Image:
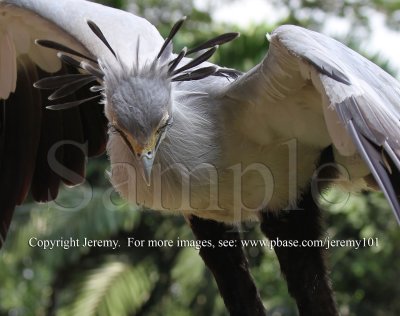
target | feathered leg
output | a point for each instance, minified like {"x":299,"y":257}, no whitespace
{"x":229,"y":266}
{"x":303,"y":267}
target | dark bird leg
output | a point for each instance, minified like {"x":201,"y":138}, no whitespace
{"x":229,"y":266}
{"x":303,"y":267}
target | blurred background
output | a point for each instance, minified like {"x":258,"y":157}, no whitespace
{"x":173,"y":281}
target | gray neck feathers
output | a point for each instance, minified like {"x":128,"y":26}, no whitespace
{"x":192,"y":139}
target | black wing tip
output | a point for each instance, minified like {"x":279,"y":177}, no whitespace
{"x":340,"y":77}
{"x":333,"y":73}
{"x":228,"y":73}
{"x":373,"y":159}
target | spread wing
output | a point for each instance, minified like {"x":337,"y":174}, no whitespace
{"x":360,"y":103}
{"x":40,"y":148}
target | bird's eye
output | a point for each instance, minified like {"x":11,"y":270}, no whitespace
{"x":112,"y":129}
{"x":161,"y":129}
{"x":115,"y":130}
{"x":164,"y":127}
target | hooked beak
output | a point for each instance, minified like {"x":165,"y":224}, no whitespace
{"x":147,"y":161}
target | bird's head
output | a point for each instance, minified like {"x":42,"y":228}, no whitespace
{"x":139,"y":100}
{"x":139,"y":103}
{"x":139,"y":110}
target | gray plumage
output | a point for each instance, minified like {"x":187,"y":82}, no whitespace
{"x":151,"y":91}
{"x":193,"y":121}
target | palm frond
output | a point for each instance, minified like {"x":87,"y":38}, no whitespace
{"x":114,"y":288}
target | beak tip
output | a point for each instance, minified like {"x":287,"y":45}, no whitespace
{"x":147,"y":166}
{"x":147,"y":179}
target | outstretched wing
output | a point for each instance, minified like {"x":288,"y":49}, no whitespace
{"x":40,"y":148}
{"x":360,"y":103}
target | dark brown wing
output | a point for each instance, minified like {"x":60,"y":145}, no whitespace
{"x":41,"y":148}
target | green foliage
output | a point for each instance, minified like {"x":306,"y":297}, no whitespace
{"x":114,"y":3}
{"x":313,"y":13}
{"x":364,"y":278}
{"x":114,"y":288}
{"x":163,"y":13}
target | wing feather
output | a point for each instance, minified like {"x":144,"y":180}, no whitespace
{"x":82,"y":131}
{"x":373,"y":159}
{"x":8,"y":66}
{"x":20,"y":137}
{"x":360,"y":102}
{"x":45,"y":182}
{"x":74,"y":149}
